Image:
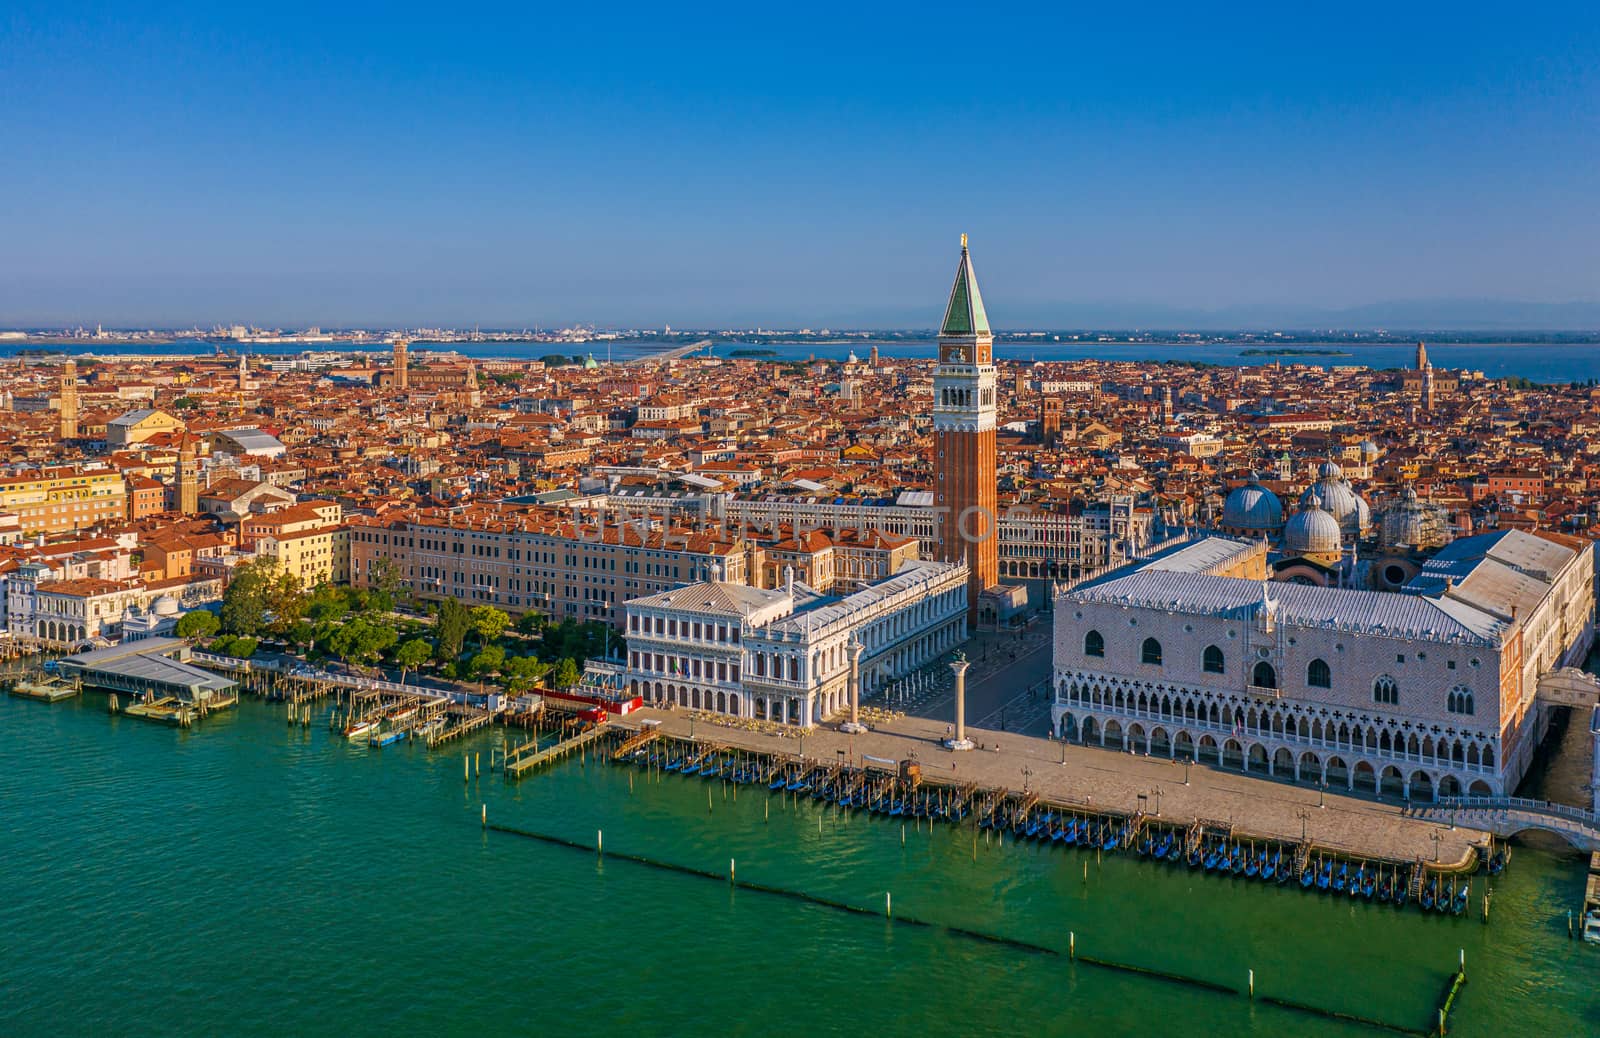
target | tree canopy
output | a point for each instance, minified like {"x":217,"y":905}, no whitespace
{"x":199,"y":623}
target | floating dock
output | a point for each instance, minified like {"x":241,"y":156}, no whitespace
{"x":169,"y":689}
{"x":44,"y":689}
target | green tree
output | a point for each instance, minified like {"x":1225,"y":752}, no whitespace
{"x":488,"y":661}
{"x":244,"y":604}
{"x":361,"y":641}
{"x":328,"y":604}
{"x":488,"y":623}
{"x":386,"y":583}
{"x":302,"y":633}
{"x":567,"y":673}
{"x":411,"y":654}
{"x":286,"y":603}
{"x":200,"y":623}
{"x":451,"y":628}
{"x":525,"y":672}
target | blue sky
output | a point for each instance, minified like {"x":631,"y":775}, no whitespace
{"x":806,"y":164}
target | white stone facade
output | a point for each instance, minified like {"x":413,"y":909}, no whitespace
{"x":783,"y":655}
{"x":1402,"y":694}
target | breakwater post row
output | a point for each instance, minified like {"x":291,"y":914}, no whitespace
{"x":901,"y":789}
{"x":1072,"y":954}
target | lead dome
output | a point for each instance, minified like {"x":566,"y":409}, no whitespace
{"x":1252,"y":507}
{"x":1313,"y":531}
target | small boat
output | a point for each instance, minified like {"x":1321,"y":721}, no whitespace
{"x":385,"y":738}
{"x":361,"y":729}
{"x":1427,"y":896}
{"x":1462,"y":898}
{"x":1340,"y":878}
{"x":1307,"y":877}
{"x":1324,"y":876}
{"x":775,"y":784}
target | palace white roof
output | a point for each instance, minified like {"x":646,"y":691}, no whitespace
{"x":912,"y":574}
{"x":718,"y":597}
{"x":1299,"y":605}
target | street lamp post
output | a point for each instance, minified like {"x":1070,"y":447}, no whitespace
{"x":1158,"y":801}
{"x":1304,"y":816}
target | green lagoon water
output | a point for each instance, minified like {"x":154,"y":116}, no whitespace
{"x":246,"y":878}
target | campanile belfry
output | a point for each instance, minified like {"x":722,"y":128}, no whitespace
{"x":964,"y":481}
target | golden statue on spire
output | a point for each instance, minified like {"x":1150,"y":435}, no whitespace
{"x":963,"y":241}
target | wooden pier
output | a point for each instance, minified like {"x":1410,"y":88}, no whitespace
{"x":520,"y":760}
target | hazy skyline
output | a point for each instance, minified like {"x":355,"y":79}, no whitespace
{"x":736,"y":166}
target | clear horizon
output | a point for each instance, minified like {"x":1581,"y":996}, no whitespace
{"x":725,"y":168}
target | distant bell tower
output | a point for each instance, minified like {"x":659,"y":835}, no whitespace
{"x":1050,"y":409}
{"x":400,"y":365}
{"x":244,"y":373}
{"x":188,"y":476}
{"x":964,"y":480}
{"x":69,"y":400}
{"x":1422,"y":357}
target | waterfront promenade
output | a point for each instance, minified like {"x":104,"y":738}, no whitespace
{"x":1107,"y":780}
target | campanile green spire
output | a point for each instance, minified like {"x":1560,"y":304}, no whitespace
{"x":965,"y":315}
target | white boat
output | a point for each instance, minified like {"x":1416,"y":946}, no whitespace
{"x":361,"y":729}
{"x":1591,"y":926}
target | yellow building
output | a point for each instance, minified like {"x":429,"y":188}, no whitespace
{"x":52,"y":500}
{"x":314,"y":556}
{"x":139,"y":426}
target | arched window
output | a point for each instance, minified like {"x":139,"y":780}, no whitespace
{"x":1318,"y":675}
{"x":1460,"y":701}
{"x":1150,"y":652}
{"x":1211,"y":661}
{"x":1094,"y":644}
{"x":1264,"y":676}
{"x":1385,"y":691}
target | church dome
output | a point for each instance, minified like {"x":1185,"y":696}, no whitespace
{"x":1329,"y":470}
{"x":1369,"y":449}
{"x":1313,"y":531}
{"x":1335,"y":495}
{"x":166,"y":605}
{"x":1252,"y":507}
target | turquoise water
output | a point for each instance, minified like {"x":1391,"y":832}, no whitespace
{"x":248,"y":878}
{"x":1542,"y":362}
